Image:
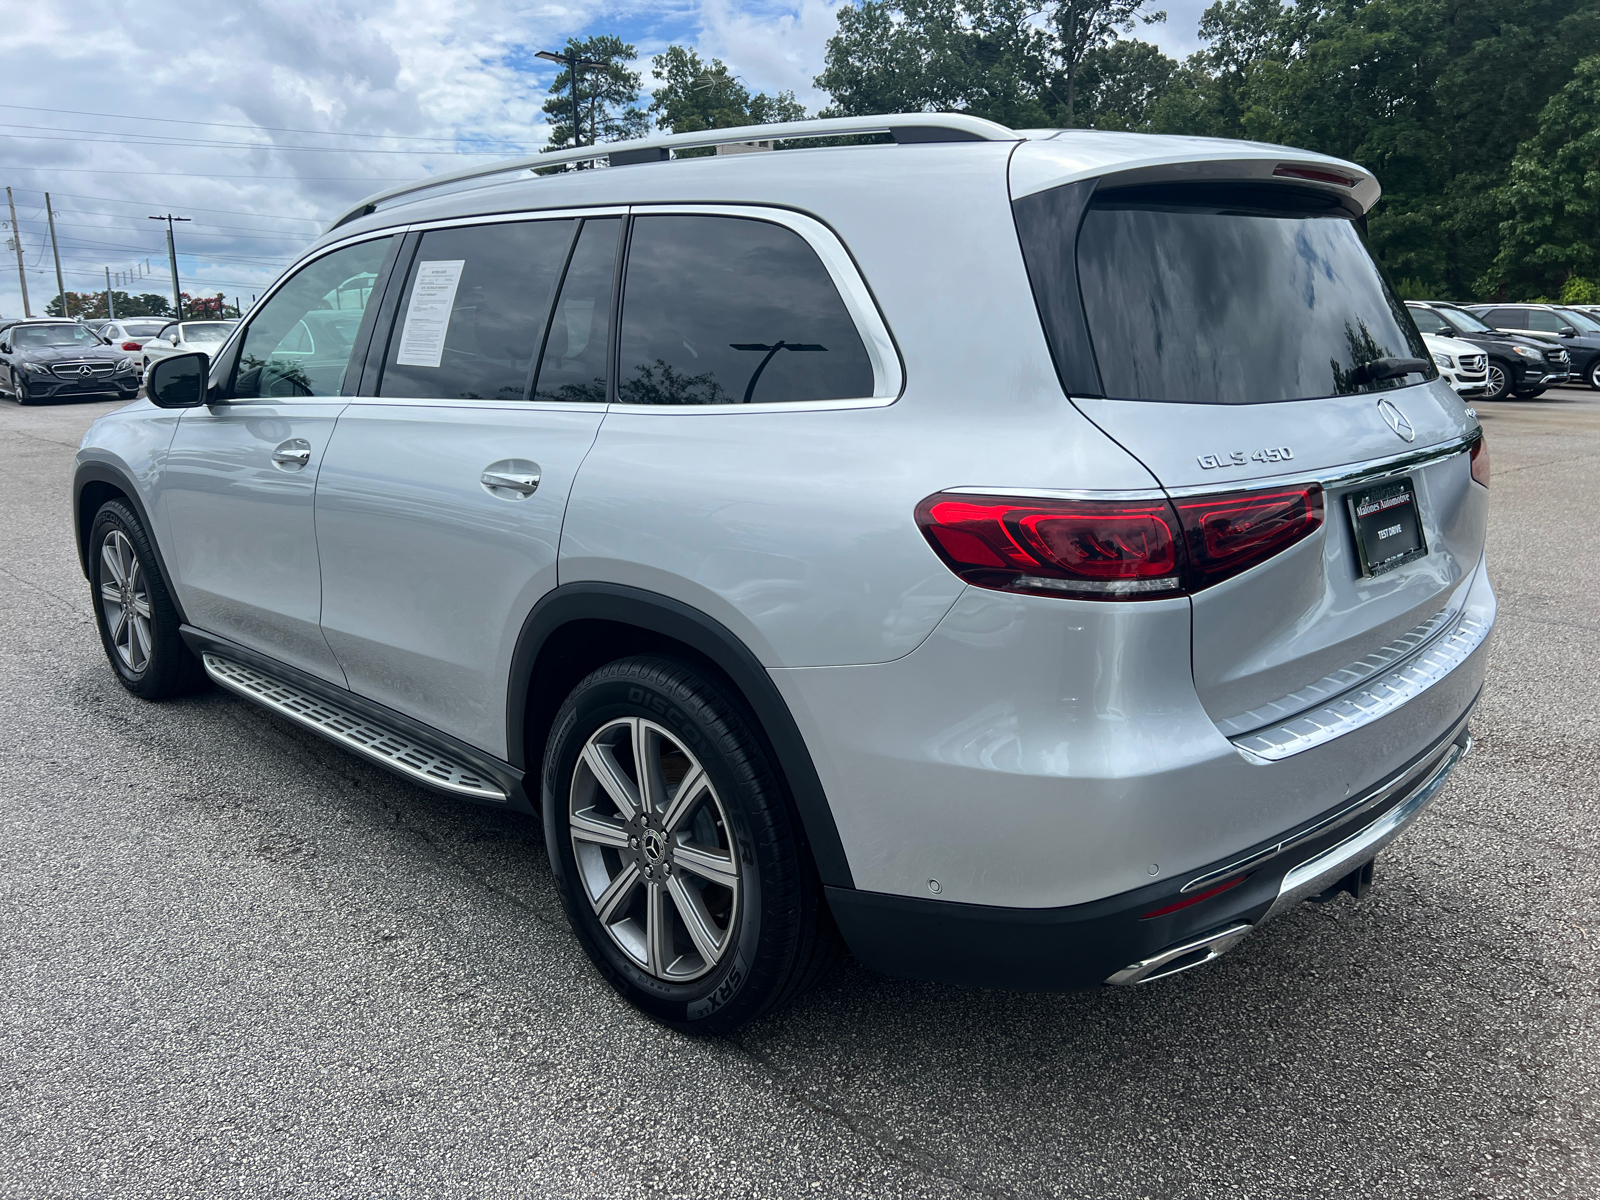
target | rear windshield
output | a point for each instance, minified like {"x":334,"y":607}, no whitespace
{"x":1236,"y":295}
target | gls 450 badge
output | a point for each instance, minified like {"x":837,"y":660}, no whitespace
{"x":1242,"y":458}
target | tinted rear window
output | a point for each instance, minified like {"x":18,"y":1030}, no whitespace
{"x":1234,"y":295}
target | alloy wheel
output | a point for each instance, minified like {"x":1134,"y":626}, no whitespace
{"x":653,"y":849}
{"x":1499,"y":385}
{"x":125,"y":601}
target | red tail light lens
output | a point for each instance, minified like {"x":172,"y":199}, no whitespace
{"x":1114,"y":549}
{"x":1480,"y":460}
{"x":1285,"y":171}
{"x":1229,"y":534}
{"x":1089,"y":549}
{"x":130,"y":345}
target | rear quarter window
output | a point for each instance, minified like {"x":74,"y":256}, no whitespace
{"x":730,"y":310}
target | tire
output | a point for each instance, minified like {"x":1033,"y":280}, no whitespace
{"x":133,"y":609}
{"x":1593,"y":378}
{"x":22,"y":392}
{"x":1499,"y":384}
{"x":1530,"y":393}
{"x":713,"y":911}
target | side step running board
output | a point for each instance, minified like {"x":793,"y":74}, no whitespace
{"x":394,"y":750}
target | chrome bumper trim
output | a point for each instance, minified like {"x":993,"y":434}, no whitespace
{"x":1367,"y":702}
{"x":347,"y":729}
{"x":1318,"y":874}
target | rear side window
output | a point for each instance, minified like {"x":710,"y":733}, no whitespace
{"x":473,"y":311}
{"x":1208,"y":294}
{"x":729,"y":310}
{"x":1507,"y":318}
{"x":1542,"y":320}
{"x":573,"y":366}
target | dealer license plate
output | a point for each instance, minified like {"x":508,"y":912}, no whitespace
{"x":1387,"y":524}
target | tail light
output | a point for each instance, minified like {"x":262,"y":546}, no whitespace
{"x":131,"y":346}
{"x":1113,"y":549}
{"x":1232,"y":533}
{"x":1480,"y":460}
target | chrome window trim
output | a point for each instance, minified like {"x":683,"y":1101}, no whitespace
{"x":1333,"y":477}
{"x":887,"y":373}
{"x":521,"y":215}
{"x":489,"y":405}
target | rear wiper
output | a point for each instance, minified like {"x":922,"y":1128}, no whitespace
{"x":1388,"y":368}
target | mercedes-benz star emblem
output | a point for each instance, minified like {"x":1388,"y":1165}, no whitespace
{"x":86,"y":369}
{"x":1397,"y":420}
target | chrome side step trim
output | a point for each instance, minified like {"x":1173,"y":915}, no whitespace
{"x":1318,"y":874}
{"x":1367,"y":702}
{"x":344,"y":727}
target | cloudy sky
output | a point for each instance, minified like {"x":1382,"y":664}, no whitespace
{"x":261,"y":120}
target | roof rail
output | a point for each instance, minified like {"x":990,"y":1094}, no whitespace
{"x":903,"y":127}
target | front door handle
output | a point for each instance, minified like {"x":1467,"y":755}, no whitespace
{"x":511,"y":479}
{"x":292,"y":454}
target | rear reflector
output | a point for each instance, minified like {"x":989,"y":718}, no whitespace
{"x":1317,"y":174}
{"x":1188,"y":900}
{"x":1480,"y":460}
{"x":1090,"y":549}
{"x":1113,"y":549}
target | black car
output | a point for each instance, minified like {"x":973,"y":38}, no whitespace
{"x":43,"y":359}
{"x":1518,"y":364}
{"x":1576,"y":333}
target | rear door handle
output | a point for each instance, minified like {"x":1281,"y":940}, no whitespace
{"x":292,"y":454}
{"x":510,"y":481}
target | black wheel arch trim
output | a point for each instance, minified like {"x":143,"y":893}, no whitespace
{"x":666,"y":617}
{"x":103,"y":472}
{"x":503,"y":773}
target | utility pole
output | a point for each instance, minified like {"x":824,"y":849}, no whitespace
{"x":172,"y":257}
{"x":570,"y":58}
{"x":61,"y":287}
{"x":16,"y":241}
{"x":111,"y":304}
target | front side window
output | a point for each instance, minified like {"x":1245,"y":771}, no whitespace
{"x":573,"y":366}
{"x":299,"y":342}
{"x":729,"y":310}
{"x":473,"y":311}
{"x":1233,"y":294}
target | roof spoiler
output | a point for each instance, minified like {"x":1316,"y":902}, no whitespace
{"x":904,"y":128}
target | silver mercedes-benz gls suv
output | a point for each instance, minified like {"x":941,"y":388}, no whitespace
{"x":1030,"y":560}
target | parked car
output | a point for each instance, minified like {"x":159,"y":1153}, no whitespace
{"x":1553,"y":325}
{"x":131,"y":334}
{"x":42,"y":359}
{"x":1518,"y":365}
{"x":184,"y":337}
{"x":701,"y":511}
{"x":1462,"y":365}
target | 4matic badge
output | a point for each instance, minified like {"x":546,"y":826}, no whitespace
{"x":1243,"y":458}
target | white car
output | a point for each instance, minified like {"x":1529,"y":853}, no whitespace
{"x":1464,"y":366}
{"x":132,"y":333}
{"x":186,"y":337}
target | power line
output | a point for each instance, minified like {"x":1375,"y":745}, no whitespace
{"x":71,"y":112}
{"x":133,"y":139}
{"x":215,"y":175}
{"x":232,"y":212}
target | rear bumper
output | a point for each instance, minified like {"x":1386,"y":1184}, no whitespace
{"x":1117,"y":939}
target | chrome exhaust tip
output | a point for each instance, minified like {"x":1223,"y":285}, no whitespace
{"x":1185,"y":956}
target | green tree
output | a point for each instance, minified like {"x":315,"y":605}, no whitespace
{"x":693,"y":96}
{"x":1084,"y":27}
{"x":1120,"y":84}
{"x":92,"y":305}
{"x":1552,"y":198}
{"x":607,"y":98}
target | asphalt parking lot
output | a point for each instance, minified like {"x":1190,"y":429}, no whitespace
{"x":237,"y":961}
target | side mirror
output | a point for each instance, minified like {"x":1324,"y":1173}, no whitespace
{"x":178,"y":382}
{"x":1569,"y":331}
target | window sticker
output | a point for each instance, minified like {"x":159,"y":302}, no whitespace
{"x":433,"y":296}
